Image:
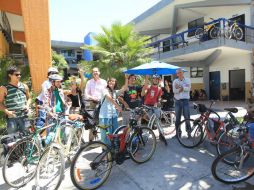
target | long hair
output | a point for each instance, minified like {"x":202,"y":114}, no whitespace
{"x":115,"y":87}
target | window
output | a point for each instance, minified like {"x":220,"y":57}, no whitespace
{"x":196,"y":72}
{"x":194,"y":24}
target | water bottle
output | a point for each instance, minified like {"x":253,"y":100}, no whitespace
{"x":49,"y":137}
{"x":116,"y":144}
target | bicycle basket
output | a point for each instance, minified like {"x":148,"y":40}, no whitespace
{"x":201,"y":108}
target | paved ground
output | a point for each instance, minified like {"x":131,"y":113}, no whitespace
{"x":171,"y":168}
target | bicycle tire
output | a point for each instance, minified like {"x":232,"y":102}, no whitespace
{"x":142,"y":139}
{"x":18,"y":153}
{"x":238,"y":33}
{"x":70,"y":141}
{"x":194,"y":134}
{"x":214,"y":32}
{"x":50,"y":156}
{"x":168,"y":122}
{"x":199,"y":33}
{"x":82,"y":159}
{"x":120,"y":129}
{"x":228,"y":33}
{"x":226,"y":173}
{"x":225,"y":143}
{"x":161,"y":134}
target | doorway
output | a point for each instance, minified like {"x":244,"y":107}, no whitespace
{"x":214,"y":85}
{"x":237,"y":84}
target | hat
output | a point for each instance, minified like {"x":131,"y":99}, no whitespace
{"x":52,"y":70}
{"x":156,"y":76}
{"x":55,"y":77}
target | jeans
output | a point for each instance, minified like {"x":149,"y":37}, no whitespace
{"x":40,"y":121}
{"x":156,"y":111}
{"x":17,"y":124}
{"x":182,"y":106}
{"x":113,"y":125}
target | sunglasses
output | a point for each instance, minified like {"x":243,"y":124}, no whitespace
{"x":17,"y":74}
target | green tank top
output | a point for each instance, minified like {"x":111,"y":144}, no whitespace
{"x":15,"y":99}
{"x":59,"y":103}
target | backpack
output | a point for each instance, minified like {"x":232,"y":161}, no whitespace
{"x":97,"y":111}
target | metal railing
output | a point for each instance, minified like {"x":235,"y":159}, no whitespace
{"x":187,"y":37}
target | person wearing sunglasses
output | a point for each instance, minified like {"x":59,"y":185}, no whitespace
{"x":14,"y":101}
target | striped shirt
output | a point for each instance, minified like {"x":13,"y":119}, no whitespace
{"x":15,"y":99}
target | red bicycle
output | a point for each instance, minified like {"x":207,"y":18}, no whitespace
{"x":93,"y":162}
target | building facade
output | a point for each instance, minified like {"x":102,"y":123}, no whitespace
{"x":218,"y":60}
{"x":24,"y":30}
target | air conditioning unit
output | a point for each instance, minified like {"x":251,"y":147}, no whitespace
{"x":16,"y":49}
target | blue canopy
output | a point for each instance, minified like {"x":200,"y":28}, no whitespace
{"x":154,"y":67}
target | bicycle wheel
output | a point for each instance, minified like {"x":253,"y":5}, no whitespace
{"x":228,"y":33}
{"x":168,"y":122}
{"x":214,"y":32}
{"x":145,"y":141}
{"x":225,"y":143}
{"x":50,"y":170}
{"x":21,"y":162}
{"x":189,"y":133}
{"x":199,"y":33}
{"x":238,"y":33}
{"x":70,"y":140}
{"x":240,"y":170}
{"x":91,"y":166}
{"x":120,"y":129}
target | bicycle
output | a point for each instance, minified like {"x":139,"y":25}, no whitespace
{"x":233,"y":31}
{"x":191,"y":133}
{"x":23,"y":157}
{"x":241,"y":167}
{"x":155,"y":122}
{"x":209,"y":29}
{"x":93,"y":162}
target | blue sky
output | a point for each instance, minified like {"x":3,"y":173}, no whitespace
{"x":71,"y":20}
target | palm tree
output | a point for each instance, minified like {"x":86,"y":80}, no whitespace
{"x":118,"y":48}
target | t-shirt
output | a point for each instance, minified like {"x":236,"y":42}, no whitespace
{"x":132,"y":96}
{"x":108,"y":110}
{"x":59,"y":104}
{"x":75,"y":99}
{"x":152,"y":95}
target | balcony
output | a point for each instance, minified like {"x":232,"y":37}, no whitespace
{"x":214,"y":34}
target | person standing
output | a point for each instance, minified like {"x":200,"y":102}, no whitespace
{"x":167,"y":96}
{"x":181,"y":89}
{"x":152,"y":94}
{"x":109,"y":109}
{"x":14,"y":101}
{"x":131,"y":98}
{"x":94,"y":91}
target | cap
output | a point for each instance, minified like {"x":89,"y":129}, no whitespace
{"x":55,"y":77}
{"x":156,"y":76}
{"x":52,"y":69}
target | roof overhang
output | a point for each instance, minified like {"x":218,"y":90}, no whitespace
{"x":67,"y":45}
{"x":11,"y":6}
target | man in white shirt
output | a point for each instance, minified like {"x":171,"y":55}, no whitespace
{"x":94,"y":90}
{"x":181,"y":89}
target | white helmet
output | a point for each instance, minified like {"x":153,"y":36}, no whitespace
{"x":53,"y":70}
{"x":55,"y":77}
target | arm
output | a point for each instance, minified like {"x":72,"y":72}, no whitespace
{"x":187,"y":85}
{"x":83,"y":80}
{"x":120,"y":98}
{"x":176,"y":88}
{"x":113,"y":102}
{"x":125,"y":86}
{"x":28,"y":97}
{"x":145,"y":87}
{"x":3,"y":93}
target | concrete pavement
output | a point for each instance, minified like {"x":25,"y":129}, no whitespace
{"x":171,"y":168}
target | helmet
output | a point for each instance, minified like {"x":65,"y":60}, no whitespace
{"x":156,"y":76}
{"x":55,"y":77}
{"x":52,"y":70}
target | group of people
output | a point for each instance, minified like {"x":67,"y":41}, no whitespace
{"x":15,"y":98}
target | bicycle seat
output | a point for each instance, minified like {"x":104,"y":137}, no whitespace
{"x":233,"y":110}
{"x":73,"y":117}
